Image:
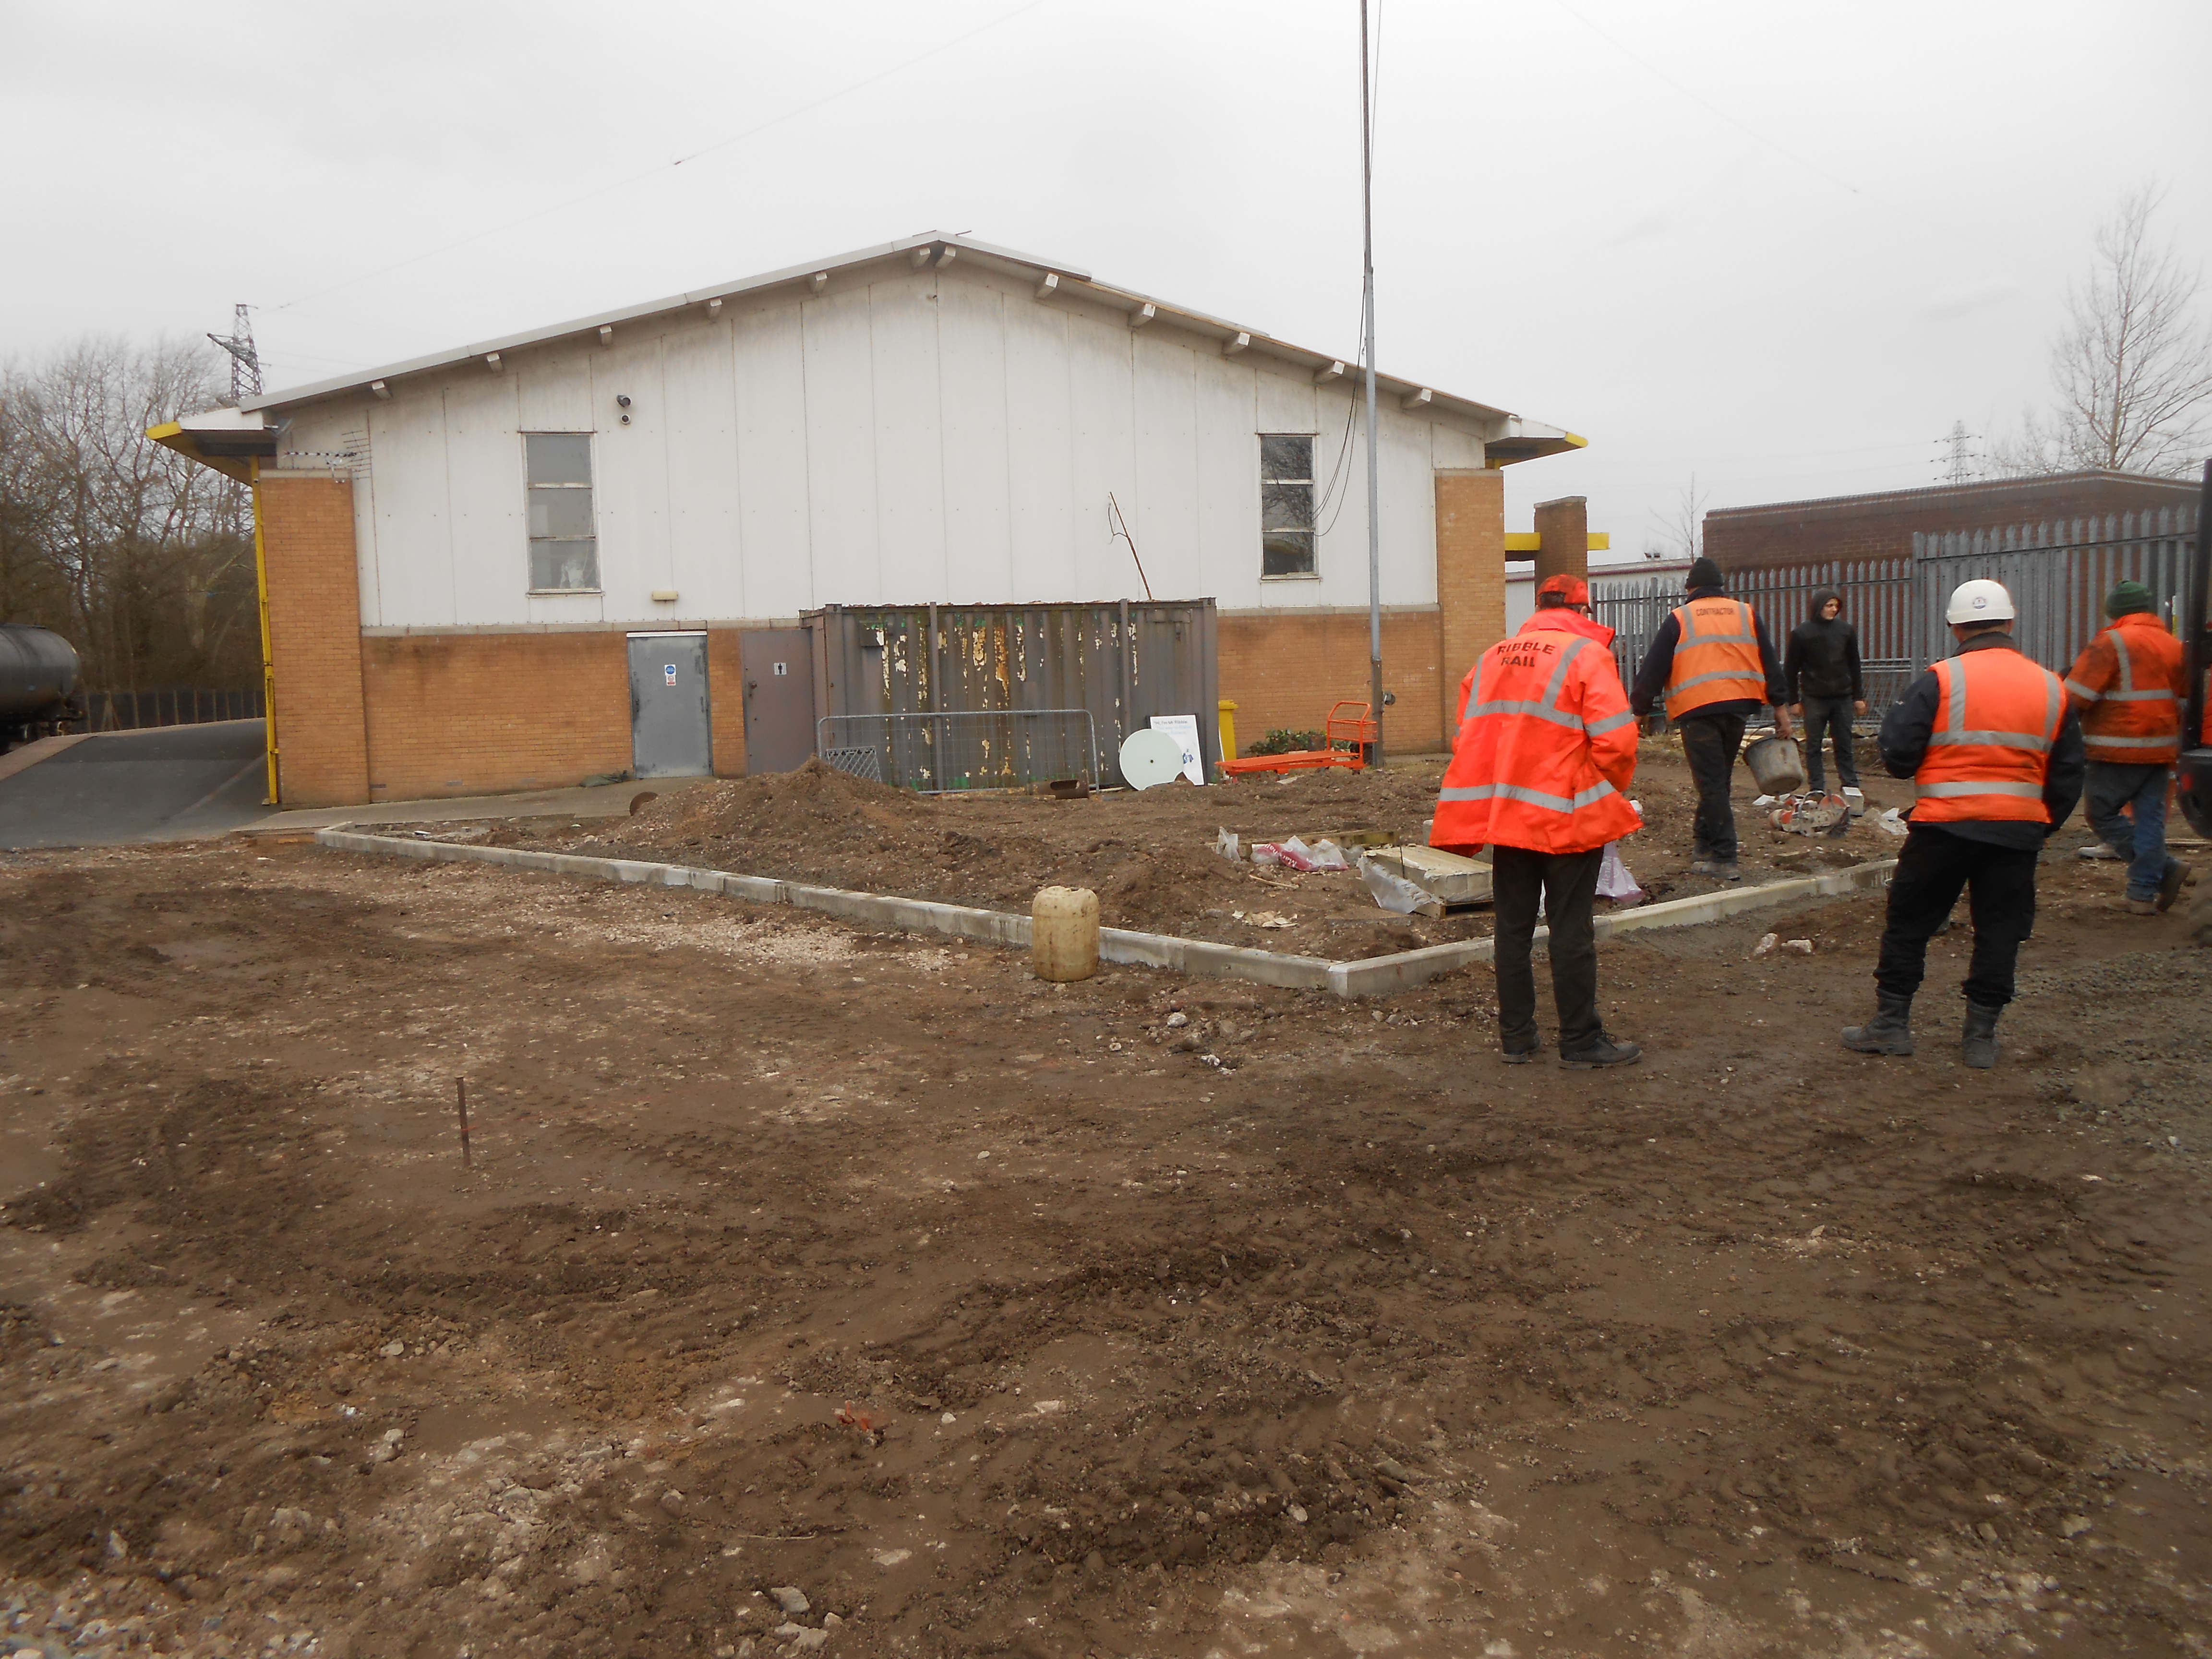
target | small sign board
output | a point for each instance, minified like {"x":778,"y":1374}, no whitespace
{"x":1183,"y":728}
{"x":782,"y":670}
{"x":669,"y":669}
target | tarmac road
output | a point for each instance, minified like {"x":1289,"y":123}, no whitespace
{"x":168,"y":783}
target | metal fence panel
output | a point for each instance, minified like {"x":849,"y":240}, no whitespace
{"x":973,"y":749}
{"x":2057,"y":574}
{"x":1877,"y":595}
{"x":130,"y":711}
{"x":1122,"y":663}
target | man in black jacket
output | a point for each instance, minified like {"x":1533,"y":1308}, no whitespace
{"x":1826,"y":688}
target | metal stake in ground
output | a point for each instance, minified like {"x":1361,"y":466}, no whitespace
{"x":461,"y":1084}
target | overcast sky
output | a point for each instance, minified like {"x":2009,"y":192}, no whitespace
{"x":1781,"y":247}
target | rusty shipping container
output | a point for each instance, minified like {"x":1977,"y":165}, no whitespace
{"x":1123,"y":661}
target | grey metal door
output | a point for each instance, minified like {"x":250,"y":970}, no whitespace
{"x":779,"y":668}
{"x":670,"y":732}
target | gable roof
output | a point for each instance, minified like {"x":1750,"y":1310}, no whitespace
{"x":1508,"y":437}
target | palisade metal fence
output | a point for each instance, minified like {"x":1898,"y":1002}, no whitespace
{"x":129,"y":711}
{"x":2057,"y":574}
{"x":973,"y":749}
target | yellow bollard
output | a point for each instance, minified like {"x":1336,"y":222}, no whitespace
{"x":1228,"y":730}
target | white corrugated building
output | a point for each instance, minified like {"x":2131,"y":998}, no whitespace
{"x":459,"y":546}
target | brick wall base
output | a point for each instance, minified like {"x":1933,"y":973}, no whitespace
{"x":1284,"y":668}
{"x":480,"y":713}
{"x":305,"y":526}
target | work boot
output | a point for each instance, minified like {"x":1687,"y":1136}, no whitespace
{"x":1890,"y":1030}
{"x":2136,"y":907}
{"x":1603,"y":1052}
{"x":2169,"y":887}
{"x":1519,"y":1048}
{"x":1724,"y":869}
{"x":1980,"y":1047}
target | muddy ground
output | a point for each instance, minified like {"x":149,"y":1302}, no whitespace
{"x":991,"y":1317}
{"x":1150,"y":856}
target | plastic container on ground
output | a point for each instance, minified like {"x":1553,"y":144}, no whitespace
{"x":1063,"y":933}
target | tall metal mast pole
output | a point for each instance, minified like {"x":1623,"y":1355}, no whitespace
{"x":1374,"y":489}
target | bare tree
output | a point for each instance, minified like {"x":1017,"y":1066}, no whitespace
{"x":1681,"y":533}
{"x":135,"y":553}
{"x":2132,"y":369}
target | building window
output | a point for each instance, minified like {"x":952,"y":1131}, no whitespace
{"x":1286,"y":504}
{"x":564,"y":542}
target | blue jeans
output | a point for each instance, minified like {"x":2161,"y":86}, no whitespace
{"x":2116,"y":792}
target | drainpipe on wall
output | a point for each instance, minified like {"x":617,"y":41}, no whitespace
{"x":267,"y":662}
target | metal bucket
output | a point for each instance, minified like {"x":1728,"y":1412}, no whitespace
{"x":1778,"y":766}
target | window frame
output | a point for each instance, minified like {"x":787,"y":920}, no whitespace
{"x":1311,"y":532}
{"x":531,"y":541}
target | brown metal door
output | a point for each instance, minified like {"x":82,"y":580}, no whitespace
{"x":779,"y":670}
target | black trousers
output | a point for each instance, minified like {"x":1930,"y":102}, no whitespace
{"x":1829,"y":714}
{"x":1931,"y":872}
{"x":1711,"y":744}
{"x":1567,"y":882}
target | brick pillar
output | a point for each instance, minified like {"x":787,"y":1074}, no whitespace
{"x":1562,"y":537}
{"x":1470,"y":575}
{"x":315,"y":638}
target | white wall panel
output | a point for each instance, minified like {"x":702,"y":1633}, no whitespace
{"x":1228,"y":469}
{"x":1039,"y":452}
{"x":840,"y":449}
{"x":703,"y":508}
{"x":978,"y":541}
{"x":1450,"y":447}
{"x":909,"y":440}
{"x":630,"y":475}
{"x":941,"y":436}
{"x":1286,"y":399}
{"x":414,"y":541}
{"x":556,"y":389}
{"x":773,"y":531}
{"x":1102,"y":404}
{"x":484,"y":488}
{"x":1409,"y":526}
{"x":1166,"y":397}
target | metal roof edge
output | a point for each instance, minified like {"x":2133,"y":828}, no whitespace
{"x":1125,"y":299}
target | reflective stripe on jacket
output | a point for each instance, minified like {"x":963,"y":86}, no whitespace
{"x":2128,"y":684}
{"x":1546,"y":745}
{"x":1716,"y":659}
{"x":1990,"y":749}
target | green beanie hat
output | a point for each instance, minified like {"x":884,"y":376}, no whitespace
{"x":2127,"y":597}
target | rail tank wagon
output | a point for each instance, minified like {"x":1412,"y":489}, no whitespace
{"x":37,"y":682}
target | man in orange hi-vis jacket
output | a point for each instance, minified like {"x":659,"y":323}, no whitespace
{"x":1714,"y":662}
{"x":1994,"y":751}
{"x":1539,"y":773}
{"x":2129,"y":685}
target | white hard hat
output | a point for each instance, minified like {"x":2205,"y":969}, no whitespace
{"x":1979,"y":601}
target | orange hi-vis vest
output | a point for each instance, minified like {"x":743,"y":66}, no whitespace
{"x":2129,"y":684}
{"x":1998,"y":715}
{"x":1546,"y":743}
{"x":1716,"y":658}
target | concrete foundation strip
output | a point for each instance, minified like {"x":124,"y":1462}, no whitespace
{"x":1372,"y":976}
